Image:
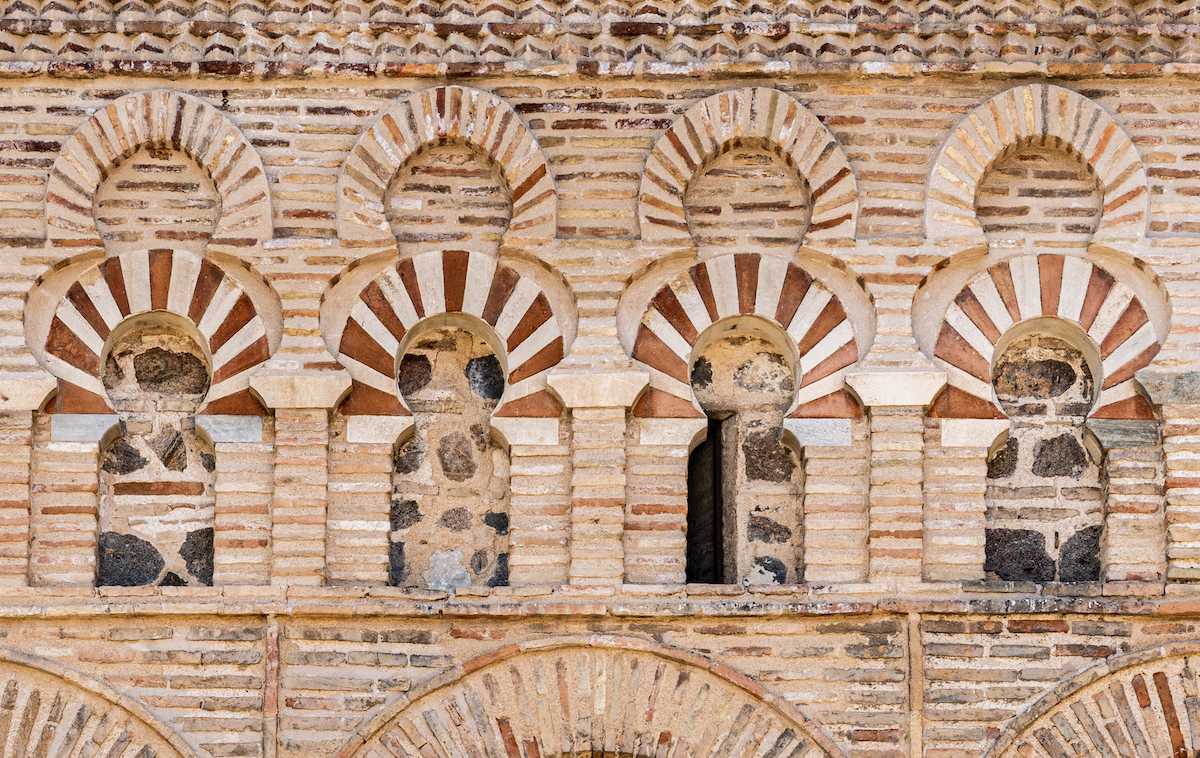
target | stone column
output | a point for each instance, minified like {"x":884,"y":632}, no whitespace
{"x":599,"y":404}
{"x":302,"y":405}
{"x":22,"y":396}
{"x":897,"y":403}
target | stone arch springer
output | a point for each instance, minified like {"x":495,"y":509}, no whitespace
{"x":71,"y":313}
{"x":75,"y":711}
{"x":963,"y":311}
{"x":706,"y":129}
{"x":827,"y":318}
{"x":1014,"y":118}
{"x":1146,"y":697}
{"x":369,"y":309}
{"x":488,"y":703}
{"x":171,"y":119}
{"x":432,"y":116}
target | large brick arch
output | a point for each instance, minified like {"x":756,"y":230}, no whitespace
{"x":1069,"y":288}
{"x":75,"y":715}
{"x":720,"y":121}
{"x":68,"y":339}
{"x":158,"y":118}
{"x":827,"y":339}
{"x":1140,"y":703}
{"x":1018,"y":117}
{"x":589,"y":697}
{"x":436,"y":115}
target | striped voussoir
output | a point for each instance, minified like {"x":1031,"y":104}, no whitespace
{"x":438,"y":115}
{"x":1033,"y":286}
{"x":1140,"y":704}
{"x":452,"y":281}
{"x":166,"y":119}
{"x":156,"y":280}
{"x":594,"y":701}
{"x":747,"y":284}
{"x":755,"y":114}
{"x":1018,"y":117}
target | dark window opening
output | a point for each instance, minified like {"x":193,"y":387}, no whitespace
{"x":705,"y":528}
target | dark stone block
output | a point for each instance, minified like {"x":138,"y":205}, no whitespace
{"x":1017,"y":555}
{"x":127,"y":561}
{"x":408,"y":457}
{"x":485,"y":376}
{"x":479,"y":562}
{"x":1004,"y":462}
{"x":479,"y":436}
{"x":456,"y":519}
{"x":208,"y":461}
{"x":497,"y":521}
{"x":767,"y":459}
{"x":170,"y":449}
{"x":457,"y":457}
{"x":197,"y":553}
{"x":123,"y":458}
{"x":762,"y":529}
{"x":702,"y":373}
{"x":396,"y":568}
{"x":1079,"y":559}
{"x":1059,"y":456}
{"x":404,"y":514}
{"x":499,"y":577}
{"x":171,"y":579}
{"x":1041,"y":379}
{"x":170,"y":373}
{"x":772,"y":566}
{"x":415,"y":372}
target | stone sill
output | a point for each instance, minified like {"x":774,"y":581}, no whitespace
{"x":632,"y":601}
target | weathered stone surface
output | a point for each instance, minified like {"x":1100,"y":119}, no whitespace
{"x":1018,"y":555}
{"x":197,"y":551}
{"x":1059,"y":456}
{"x":1080,"y":561}
{"x":125,"y":560}
{"x":1004,"y":462}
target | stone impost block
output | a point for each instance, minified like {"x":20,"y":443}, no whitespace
{"x":618,"y":389}
{"x":316,"y":390}
{"x":896,"y":388}
{"x":25,"y":393}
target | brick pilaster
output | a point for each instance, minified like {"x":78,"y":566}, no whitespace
{"x":64,"y":510}
{"x":300,"y":503}
{"x":597,"y":495}
{"x":955,"y":512}
{"x":540,"y":514}
{"x":1181,"y":452}
{"x":1135,"y":537}
{"x":243,"y":491}
{"x":836,"y":514}
{"x":360,"y":498}
{"x":896,"y":538}
{"x":16,"y":447}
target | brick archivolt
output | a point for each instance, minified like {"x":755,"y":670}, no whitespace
{"x":1018,"y":117}
{"x":52,"y":712}
{"x":366,"y":322}
{"x":167,"y":119}
{"x":827,"y":339}
{"x":430,"y":117}
{"x":756,"y":115}
{"x":1142,"y":703}
{"x":1126,"y":330}
{"x":590,"y":697}
{"x":68,"y":323}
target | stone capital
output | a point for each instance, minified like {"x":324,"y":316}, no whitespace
{"x":316,"y":390}
{"x":896,"y":388}
{"x":598,"y":389}
{"x":25,"y":392}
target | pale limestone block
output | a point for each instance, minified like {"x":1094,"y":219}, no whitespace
{"x":376,"y":429}
{"x":972,"y":432}
{"x":618,"y":389}
{"x":81,"y":427}
{"x":527,"y":431}
{"x":222,"y":428}
{"x":670,"y":431}
{"x":897,"y":388}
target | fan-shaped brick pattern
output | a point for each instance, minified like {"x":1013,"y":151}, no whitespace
{"x":1024,"y":114}
{"x":1142,"y":704}
{"x":453,"y":281}
{"x":156,"y":280}
{"x":591,"y":701}
{"x":747,"y":284}
{"x":46,"y":716}
{"x":755,"y":114}
{"x":431,"y":117}
{"x":1031,"y":286}
{"x":158,"y":118}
